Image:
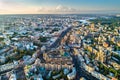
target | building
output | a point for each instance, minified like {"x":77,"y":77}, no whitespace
{"x":72,"y":75}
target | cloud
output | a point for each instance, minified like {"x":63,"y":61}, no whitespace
{"x":61,"y":8}
{"x":15,"y":7}
{"x":57,"y":9}
{"x":41,"y":9}
{"x":9,"y":3}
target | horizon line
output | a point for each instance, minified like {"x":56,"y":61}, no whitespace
{"x":61,"y":14}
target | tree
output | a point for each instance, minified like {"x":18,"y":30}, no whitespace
{"x":43,"y":39}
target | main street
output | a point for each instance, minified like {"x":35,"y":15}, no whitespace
{"x":57,"y":42}
{"x":80,"y":71}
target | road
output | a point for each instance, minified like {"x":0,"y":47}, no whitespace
{"x":80,"y":71}
{"x":57,"y":42}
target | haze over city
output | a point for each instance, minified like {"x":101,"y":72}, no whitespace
{"x":59,"y":6}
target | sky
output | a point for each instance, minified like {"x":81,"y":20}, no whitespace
{"x":59,"y":6}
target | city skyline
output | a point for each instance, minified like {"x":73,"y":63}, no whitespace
{"x":59,"y":6}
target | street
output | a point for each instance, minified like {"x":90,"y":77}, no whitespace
{"x":81,"y":72}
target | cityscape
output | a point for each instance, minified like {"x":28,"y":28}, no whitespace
{"x":59,"y":43}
